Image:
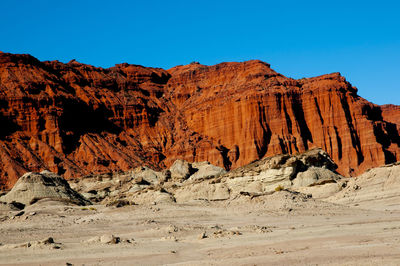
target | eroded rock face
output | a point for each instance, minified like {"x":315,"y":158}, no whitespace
{"x":209,"y":182}
{"x":75,"y":119}
{"x":262,"y":177}
{"x":143,"y":185}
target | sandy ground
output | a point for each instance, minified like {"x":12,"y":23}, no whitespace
{"x":279,"y":229}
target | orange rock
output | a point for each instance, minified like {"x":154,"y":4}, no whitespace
{"x":75,"y":119}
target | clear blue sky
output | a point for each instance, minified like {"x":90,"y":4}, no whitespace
{"x":360,"y":39}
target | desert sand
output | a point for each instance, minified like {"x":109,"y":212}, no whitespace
{"x":275,"y":229}
{"x":346,"y":221}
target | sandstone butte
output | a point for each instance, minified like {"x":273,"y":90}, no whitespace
{"x":75,"y":119}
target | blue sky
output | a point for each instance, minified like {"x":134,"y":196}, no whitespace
{"x":360,"y":39}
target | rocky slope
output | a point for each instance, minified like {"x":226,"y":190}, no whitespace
{"x":309,"y":175}
{"x":76,"y":119}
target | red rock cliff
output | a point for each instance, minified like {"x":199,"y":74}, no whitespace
{"x":75,"y":119}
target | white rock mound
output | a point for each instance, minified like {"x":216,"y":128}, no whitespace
{"x":377,"y":188}
{"x":32,"y":187}
{"x":265,"y":176}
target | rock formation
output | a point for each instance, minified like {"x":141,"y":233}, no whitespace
{"x":377,"y":188}
{"x":32,"y":187}
{"x":143,"y":185}
{"x":204,"y":181}
{"x":263,"y":177}
{"x":75,"y":119}
{"x":311,"y":174}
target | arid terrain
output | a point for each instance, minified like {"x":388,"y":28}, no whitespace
{"x":307,"y":233}
{"x":199,"y":133}
{"x":282,"y":210}
{"x":195,"y":165}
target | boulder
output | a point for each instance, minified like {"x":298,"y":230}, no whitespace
{"x":109,"y":239}
{"x":315,"y":176}
{"x":146,"y":175}
{"x":205,"y":170}
{"x":35,"y":186}
{"x":181,"y":170}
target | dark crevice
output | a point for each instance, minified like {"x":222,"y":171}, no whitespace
{"x":389,"y":157}
{"x":60,"y":170}
{"x":339,"y":143}
{"x":160,"y":79}
{"x":79,"y":118}
{"x":288,"y":120}
{"x":153,"y":113}
{"x":355,"y":141}
{"x":318,"y":110}
{"x":262,"y":148}
{"x":278,"y":99}
{"x":393,"y":133}
{"x":283,"y":146}
{"x":386,"y":133}
{"x":372,"y":112}
{"x":305,"y":132}
{"x":7,"y":126}
{"x":224,"y":153}
{"x":381,"y":137}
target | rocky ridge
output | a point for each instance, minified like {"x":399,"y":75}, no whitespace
{"x":307,"y":175}
{"x":185,"y":182}
{"x":75,"y":119}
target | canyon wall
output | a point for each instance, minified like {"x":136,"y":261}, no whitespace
{"x":76,"y":119}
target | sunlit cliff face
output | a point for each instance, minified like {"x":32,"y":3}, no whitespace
{"x":76,"y":119}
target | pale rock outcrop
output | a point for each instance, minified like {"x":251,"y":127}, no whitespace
{"x":151,"y":197}
{"x":143,"y":185}
{"x":315,"y":176}
{"x":45,"y":243}
{"x":265,"y":176}
{"x":186,"y":181}
{"x":202,"y":191}
{"x":147,"y":175}
{"x":377,"y":188}
{"x":118,"y":185}
{"x":35,"y":186}
{"x":181,"y":170}
{"x":205,"y":170}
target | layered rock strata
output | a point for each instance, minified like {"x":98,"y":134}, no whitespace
{"x":75,"y":119}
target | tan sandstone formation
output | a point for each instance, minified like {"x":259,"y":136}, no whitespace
{"x":204,"y":181}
